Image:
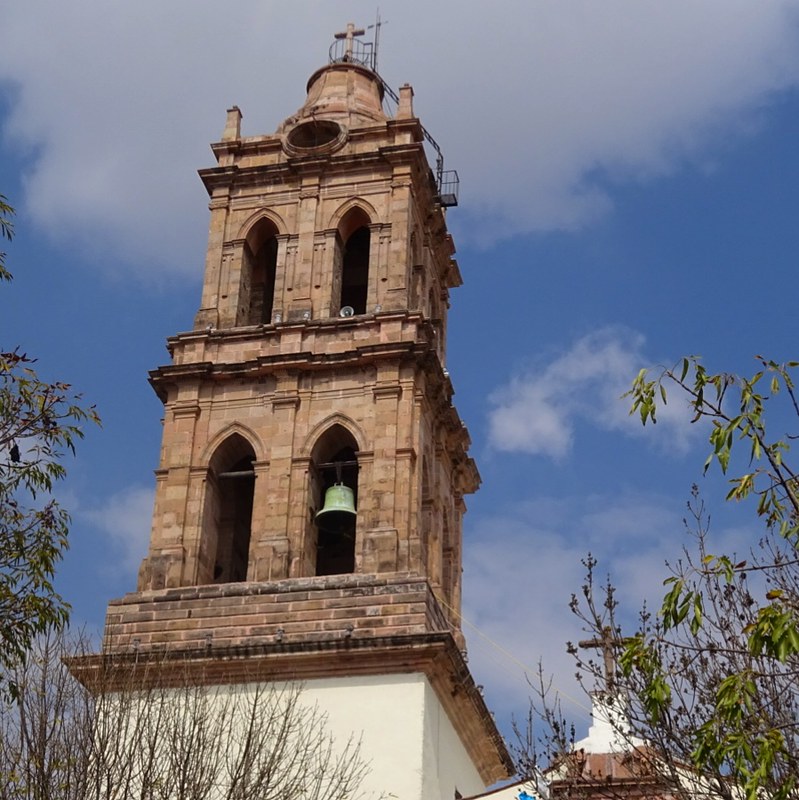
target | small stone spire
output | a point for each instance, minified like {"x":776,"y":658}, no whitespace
{"x":232,"y":125}
{"x":405,"y":108}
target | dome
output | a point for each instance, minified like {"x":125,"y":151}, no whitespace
{"x":345,"y":93}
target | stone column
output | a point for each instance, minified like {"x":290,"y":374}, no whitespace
{"x":396,"y":291}
{"x":212,"y":285}
{"x":279,"y":305}
{"x":382,"y":542}
{"x":328,"y":276}
{"x":379,"y":243}
{"x":299,"y":291}
{"x":278,"y":520}
{"x":320,"y":281}
{"x":163,"y":565}
{"x":269,"y":548}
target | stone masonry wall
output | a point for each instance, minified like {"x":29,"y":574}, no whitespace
{"x":290,"y":611}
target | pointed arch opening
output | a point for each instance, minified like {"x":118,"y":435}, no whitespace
{"x":434,"y":306}
{"x":430,"y":534}
{"x":334,"y":461}
{"x":227,"y":520}
{"x":449,"y":566}
{"x":260,"y":263}
{"x":416,"y":274}
{"x":353,"y":244}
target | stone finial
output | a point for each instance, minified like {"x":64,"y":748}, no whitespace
{"x":232,"y":125}
{"x":405,"y":109}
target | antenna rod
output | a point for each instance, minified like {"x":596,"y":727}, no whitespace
{"x":377,"y":39}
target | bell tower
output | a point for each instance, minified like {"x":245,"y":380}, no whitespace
{"x":312,"y":475}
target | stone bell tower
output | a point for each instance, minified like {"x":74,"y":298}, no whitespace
{"x":317,"y":358}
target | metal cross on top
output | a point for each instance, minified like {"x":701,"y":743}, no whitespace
{"x":608,"y":644}
{"x":349,"y":35}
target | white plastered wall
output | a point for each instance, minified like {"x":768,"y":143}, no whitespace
{"x":447,"y":765}
{"x":407,"y":738}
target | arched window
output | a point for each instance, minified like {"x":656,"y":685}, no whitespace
{"x":227,"y":518}
{"x":260,"y":264}
{"x":430,"y":534}
{"x":334,"y":461}
{"x":434,"y":305}
{"x":353,"y":244}
{"x":448,"y":571}
{"x":416,"y":274}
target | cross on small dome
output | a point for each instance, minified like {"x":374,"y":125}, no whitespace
{"x":349,"y":35}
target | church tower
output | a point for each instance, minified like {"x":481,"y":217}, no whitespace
{"x":314,"y":380}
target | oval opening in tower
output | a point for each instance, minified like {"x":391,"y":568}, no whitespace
{"x":315,"y":134}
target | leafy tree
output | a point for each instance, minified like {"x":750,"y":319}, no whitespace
{"x":709,"y":683}
{"x":39,"y":423}
{"x":144,"y":730}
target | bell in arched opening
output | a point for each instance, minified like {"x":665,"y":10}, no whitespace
{"x":335,"y":496}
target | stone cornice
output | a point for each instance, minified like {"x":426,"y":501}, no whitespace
{"x":280,"y":171}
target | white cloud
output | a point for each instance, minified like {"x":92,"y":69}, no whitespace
{"x":125,"y":518}
{"x":521,"y":568}
{"x":538,"y":106}
{"x":538,"y":410}
{"x":517,"y":594}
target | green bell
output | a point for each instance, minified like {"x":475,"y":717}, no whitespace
{"x":339,"y":512}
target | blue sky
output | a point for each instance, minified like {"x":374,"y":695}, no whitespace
{"x":628,"y":195}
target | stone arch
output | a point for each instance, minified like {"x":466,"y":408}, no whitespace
{"x":229,"y":491}
{"x":262,"y":214}
{"x":328,"y":422}
{"x":220,"y":436}
{"x":354,"y":202}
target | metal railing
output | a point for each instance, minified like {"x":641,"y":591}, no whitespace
{"x":355,"y":51}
